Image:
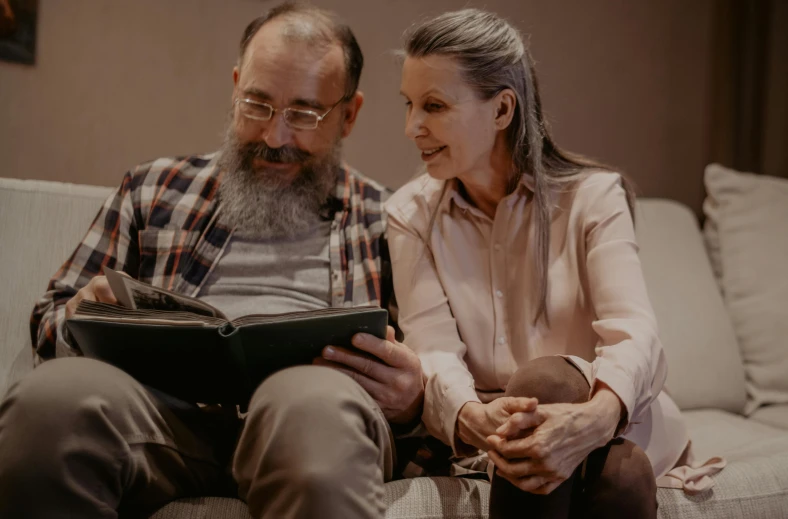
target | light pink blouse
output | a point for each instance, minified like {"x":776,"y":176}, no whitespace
{"x":467,"y":304}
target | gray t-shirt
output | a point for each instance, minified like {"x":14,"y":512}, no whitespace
{"x":271,"y":276}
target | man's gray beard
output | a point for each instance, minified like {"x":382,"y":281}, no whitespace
{"x":258,"y":205}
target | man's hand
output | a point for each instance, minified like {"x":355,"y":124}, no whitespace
{"x":96,"y":290}
{"x":388,"y":370}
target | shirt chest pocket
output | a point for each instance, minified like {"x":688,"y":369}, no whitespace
{"x":163,"y":254}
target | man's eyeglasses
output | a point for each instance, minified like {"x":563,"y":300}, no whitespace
{"x":294,"y":117}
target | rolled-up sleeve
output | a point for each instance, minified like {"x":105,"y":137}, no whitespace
{"x":630,"y":359}
{"x":430,"y":330}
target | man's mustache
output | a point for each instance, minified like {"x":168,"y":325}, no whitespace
{"x":285,"y":154}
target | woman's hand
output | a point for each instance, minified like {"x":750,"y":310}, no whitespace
{"x":477,"y":421}
{"x":538,"y":451}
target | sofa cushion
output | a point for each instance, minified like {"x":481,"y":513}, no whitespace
{"x":422,"y":498}
{"x":704,"y":364}
{"x":718,"y":433}
{"x":746,"y":230}
{"x":774,"y":415}
{"x":204,"y":508}
{"x":755,"y":482}
{"x":40,"y":224}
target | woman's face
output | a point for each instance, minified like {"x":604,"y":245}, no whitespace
{"x":454,"y":129}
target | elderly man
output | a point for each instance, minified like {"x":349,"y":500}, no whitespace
{"x":272,"y":223}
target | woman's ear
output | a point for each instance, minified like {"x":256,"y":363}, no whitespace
{"x":504,"y":103}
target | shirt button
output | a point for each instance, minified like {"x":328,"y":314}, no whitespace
{"x":499,"y":293}
{"x":497,"y":246}
{"x":501,"y":340}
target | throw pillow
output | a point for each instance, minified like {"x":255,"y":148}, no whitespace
{"x":747,"y":235}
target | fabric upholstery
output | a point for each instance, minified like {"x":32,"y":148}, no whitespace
{"x":774,"y":415}
{"x":40,"y":223}
{"x":204,"y":508}
{"x":746,"y":232}
{"x":704,"y":364}
{"x":420,"y":498}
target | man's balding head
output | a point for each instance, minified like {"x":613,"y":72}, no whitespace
{"x":295,"y":61}
{"x":315,"y":27}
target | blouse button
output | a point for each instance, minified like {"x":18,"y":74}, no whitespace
{"x":497,"y":246}
{"x":501,"y":340}
{"x":499,"y":293}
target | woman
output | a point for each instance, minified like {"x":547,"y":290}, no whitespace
{"x":519,"y":285}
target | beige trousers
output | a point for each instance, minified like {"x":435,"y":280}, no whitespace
{"x":80,"y":438}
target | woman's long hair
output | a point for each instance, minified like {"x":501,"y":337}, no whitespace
{"x":492,"y":56}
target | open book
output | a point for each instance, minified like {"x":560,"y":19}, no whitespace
{"x":189,"y":349}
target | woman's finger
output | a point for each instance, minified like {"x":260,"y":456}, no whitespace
{"x":519,"y":422}
{"x":519,"y":468}
{"x":527,"y":447}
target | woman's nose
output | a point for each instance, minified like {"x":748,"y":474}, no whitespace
{"x":414,"y":125}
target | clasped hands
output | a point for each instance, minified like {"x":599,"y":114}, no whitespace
{"x":537,"y":447}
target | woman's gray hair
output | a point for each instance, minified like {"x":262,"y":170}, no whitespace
{"x":492,"y":57}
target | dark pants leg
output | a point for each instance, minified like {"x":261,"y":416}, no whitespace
{"x":619,"y":480}
{"x":81,"y":438}
{"x":314,"y":444}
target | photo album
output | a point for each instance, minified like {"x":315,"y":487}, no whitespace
{"x":189,"y":349}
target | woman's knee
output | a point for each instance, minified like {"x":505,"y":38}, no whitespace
{"x":620,"y":481}
{"x":551,"y":380}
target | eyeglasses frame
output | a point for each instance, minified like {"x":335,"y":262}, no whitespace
{"x":284,"y":111}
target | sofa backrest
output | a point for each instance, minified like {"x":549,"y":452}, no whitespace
{"x":40,"y":225}
{"x":704,"y":364}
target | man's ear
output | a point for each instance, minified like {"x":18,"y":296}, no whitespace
{"x":352,"y":108}
{"x":504,"y":104}
{"x":236,"y":74}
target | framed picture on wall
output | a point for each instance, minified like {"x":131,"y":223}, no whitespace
{"x":18,"y":30}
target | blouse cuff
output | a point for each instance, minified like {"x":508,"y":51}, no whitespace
{"x":442,"y":406}
{"x":622,"y":386}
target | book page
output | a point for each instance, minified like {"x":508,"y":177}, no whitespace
{"x":140,"y":320}
{"x":95,"y":311}
{"x":137,"y":295}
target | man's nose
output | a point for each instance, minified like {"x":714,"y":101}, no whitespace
{"x":276,"y":133}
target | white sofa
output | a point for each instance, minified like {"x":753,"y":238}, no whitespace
{"x":41,"y":222}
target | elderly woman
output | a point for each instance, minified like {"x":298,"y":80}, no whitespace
{"x":517,"y":274}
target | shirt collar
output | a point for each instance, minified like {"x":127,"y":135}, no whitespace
{"x":524,"y":187}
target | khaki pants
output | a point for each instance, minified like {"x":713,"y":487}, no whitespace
{"x":80,"y":438}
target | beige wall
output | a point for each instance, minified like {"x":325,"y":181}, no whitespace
{"x":118,"y":82}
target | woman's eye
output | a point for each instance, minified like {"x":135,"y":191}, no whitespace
{"x":433,"y":107}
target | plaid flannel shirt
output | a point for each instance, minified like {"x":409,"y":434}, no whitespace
{"x":163,"y":227}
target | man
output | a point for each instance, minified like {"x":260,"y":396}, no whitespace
{"x":272,"y":223}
